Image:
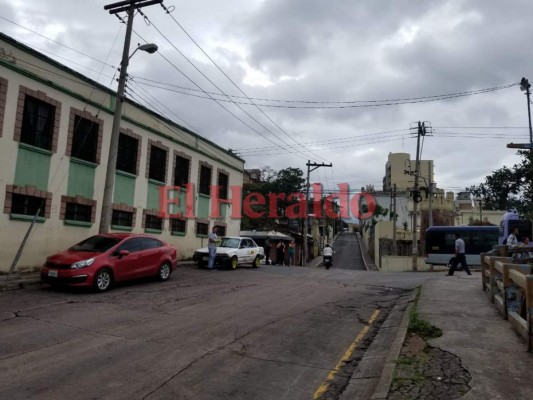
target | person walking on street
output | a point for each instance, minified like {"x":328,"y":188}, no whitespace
{"x":292,"y":252}
{"x":280,"y":255}
{"x":460,"y":256}
{"x":212,"y":248}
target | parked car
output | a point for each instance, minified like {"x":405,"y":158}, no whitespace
{"x":232,"y":251}
{"x":101,"y":260}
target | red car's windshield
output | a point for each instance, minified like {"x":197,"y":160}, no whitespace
{"x":97,"y":244}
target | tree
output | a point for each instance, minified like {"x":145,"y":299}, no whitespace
{"x":283,"y":183}
{"x":509,"y":188}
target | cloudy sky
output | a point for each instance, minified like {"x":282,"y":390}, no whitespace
{"x":341,"y":81}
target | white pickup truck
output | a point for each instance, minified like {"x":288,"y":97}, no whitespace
{"x":231,"y":252}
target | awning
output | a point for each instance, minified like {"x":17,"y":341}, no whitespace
{"x":266,"y":235}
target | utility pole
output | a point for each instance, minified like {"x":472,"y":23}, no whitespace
{"x":416,"y":193}
{"x":525,"y":86}
{"x":306,"y":219}
{"x":129,"y":6}
{"x":394,"y":218}
{"x":430,"y":191}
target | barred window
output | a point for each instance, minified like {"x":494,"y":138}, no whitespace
{"x":202,"y":228}
{"x":153,"y":222}
{"x":178,"y":225}
{"x":27,"y":205}
{"x":78,"y":212}
{"x":122,"y":218}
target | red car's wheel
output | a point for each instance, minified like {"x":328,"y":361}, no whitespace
{"x":164,"y":271}
{"x":102,"y":280}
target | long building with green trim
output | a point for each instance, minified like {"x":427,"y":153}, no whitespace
{"x":55,"y":131}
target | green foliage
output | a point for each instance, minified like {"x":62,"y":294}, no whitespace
{"x":287,"y":181}
{"x":372,"y":221}
{"x":420,"y":327}
{"x":509,"y":188}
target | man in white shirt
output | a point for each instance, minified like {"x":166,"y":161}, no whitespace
{"x":460,"y":256}
{"x":512,"y":239}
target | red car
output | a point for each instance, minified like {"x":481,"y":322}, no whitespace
{"x":106,"y":258}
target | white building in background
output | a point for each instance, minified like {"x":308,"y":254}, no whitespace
{"x":55,"y":128}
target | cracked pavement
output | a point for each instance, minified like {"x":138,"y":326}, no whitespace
{"x":267,"y":333}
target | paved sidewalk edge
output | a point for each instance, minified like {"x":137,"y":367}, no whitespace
{"x":369,"y":264}
{"x":382,"y":388}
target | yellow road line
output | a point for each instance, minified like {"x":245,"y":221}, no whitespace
{"x":324,"y":386}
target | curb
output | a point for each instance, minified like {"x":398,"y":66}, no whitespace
{"x":375,"y":371}
{"x":16,"y":282}
{"x":382,"y":389}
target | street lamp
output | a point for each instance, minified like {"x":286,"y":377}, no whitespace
{"x":525,"y":86}
{"x":107,"y":201}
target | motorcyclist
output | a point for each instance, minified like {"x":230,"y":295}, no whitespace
{"x":328,"y":250}
{"x":327,"y":256}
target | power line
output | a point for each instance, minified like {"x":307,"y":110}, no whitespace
{"x":233,"y":82}
{"x":339,"y":140}
{"x":56,"y":42}
{"x":342,"y":104}
{"x":218,"y":101}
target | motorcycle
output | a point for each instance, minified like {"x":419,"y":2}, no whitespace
{"x":327,"y":261}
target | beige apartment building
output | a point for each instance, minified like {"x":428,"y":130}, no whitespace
{"x":55,"y":130}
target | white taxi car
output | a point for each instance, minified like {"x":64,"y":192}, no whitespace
{"x":232,"y":251}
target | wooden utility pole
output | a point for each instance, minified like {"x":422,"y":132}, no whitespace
{"x":128,"y":6}
{"x":416,"y":193}
{"x":306,"y":218}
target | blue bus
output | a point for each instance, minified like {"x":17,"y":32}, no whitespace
{"x":440,"y":243}
{"x":511,"y":220}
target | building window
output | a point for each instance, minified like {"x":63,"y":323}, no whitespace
{"x":27,"y":205}
{"x":37,"y":123}
{"x":153,"y":222}
{"x":205,"y":180}
{"x":158,"y":164}
{"x":85,"y":139}
{"x":78,"y":212}
{"x":122,"y":218}
{"x":181,"y":171}
{"x":178,"y":225}
{"x":202,"y":228}
{"x":223,"y":181}
{"x":127,"y":154}
{"x":221,"y":231}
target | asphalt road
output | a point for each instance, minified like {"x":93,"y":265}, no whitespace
{"x":275,"y":332}
{"x":347,"y":253}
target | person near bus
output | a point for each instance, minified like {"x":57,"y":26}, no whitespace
{"x":460,"y":256}
{"x":512,"y":239}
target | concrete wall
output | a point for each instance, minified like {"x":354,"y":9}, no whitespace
{"x":402,"y":264}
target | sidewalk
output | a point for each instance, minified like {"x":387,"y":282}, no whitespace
{"x":19,"y":280}
{"x":487,"y":346}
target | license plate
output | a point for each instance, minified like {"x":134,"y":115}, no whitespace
{"x":206,"y":258}
{"x":52,"y":274}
